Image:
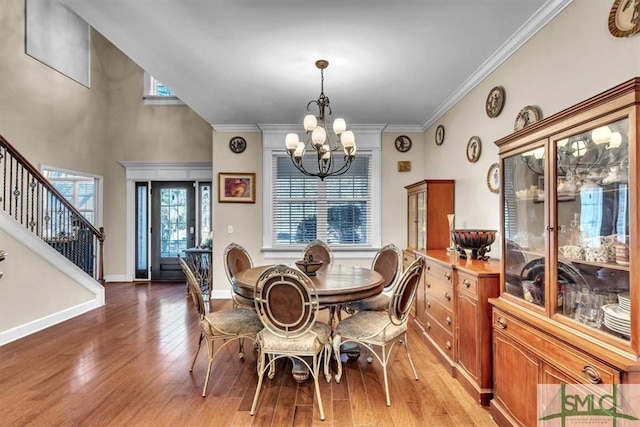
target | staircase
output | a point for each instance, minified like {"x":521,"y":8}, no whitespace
{"x":58,"y":253}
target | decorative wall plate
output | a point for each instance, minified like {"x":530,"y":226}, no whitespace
{"x":495,"y":102}
{"x":237,"y":144}
{"x":403,"y":143}
{"x":493,"y":178}
{"x":474,"y":148}
{"x":527,"y":116}
{"x":624,"y":18}
{"x":439,"y":135}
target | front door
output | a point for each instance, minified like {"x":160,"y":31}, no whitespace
{"x":172,"y":227}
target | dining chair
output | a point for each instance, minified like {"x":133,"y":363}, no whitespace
{"x":387,"y":262}
{"x":236,"y":259}
{"x":224,"y":325}
{"x":319,"y":250}
{"x":382,"y":329}
{"x":287,"y":304}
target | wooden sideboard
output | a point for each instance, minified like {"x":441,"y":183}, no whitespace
{"x":454,"y":316}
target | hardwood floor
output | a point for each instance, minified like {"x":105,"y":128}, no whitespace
{"x":128,"y":364}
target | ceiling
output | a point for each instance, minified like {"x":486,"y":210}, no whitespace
{"x":242,"y":63}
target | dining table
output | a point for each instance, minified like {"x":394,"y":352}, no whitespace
{"x":336,"y":284}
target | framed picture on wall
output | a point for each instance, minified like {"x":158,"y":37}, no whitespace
{"x":236,"y":187}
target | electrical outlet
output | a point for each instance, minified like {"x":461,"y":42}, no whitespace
{"x":230,"y":229}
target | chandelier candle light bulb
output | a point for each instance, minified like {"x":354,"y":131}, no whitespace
{"x":319,"y":140}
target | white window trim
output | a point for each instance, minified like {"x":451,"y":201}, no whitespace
{"x":151,"y":98}
{"x":369,"y":140}
{"x":97,"y":215}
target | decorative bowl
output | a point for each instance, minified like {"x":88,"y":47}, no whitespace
{"x":477,"y":241}
{"x":309,"y":267}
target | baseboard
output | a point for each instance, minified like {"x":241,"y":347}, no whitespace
{"x":117,"y":278}
{"x":221,"y":294}
{"x":47,"y":321}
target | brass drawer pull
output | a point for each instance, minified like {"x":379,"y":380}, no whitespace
{"x":428,"y":304}
{"x":448,"y":345}
{"x":447,"y":296}
{"x":502,"y":323}
{"x":428,"y":267}
{"x":591,"y":374}
{"x":428,"y":325}
{"x":428,"y":284}
{"x":447,"y":320}
{"x":447,"y":275}
{"x":466,"y":283}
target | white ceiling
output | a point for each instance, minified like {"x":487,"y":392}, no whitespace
{"x":400,"y":63}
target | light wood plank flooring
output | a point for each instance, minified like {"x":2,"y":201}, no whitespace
{"x":127,"y":364}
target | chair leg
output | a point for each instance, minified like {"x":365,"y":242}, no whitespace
{"x":336,"y":352}
{"x":316,"y":369}
{"x":241,"y":348}
{"x":261,"y":369}
{"x":195,"y":356}
{"x":210,"y":346}
{"x":406,"y":347}
{"x":327,"y":357}
{"x":385,"y":359}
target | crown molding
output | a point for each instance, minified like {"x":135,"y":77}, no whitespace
{"x":546,"y":13}
{"x":403,"y":129}
{"x":239,"y":128}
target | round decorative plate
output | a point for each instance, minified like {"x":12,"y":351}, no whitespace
{"x":474,"y":147}
{"x":403,"y":143}
{"x":439,"y":135}
{"x":527,"y":116}
{"x":237,"y":144}
{"x":495,"y":101}
{"x":621,"y":18}
{"x":493,"y":178}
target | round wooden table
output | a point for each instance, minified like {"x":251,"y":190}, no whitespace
{"x":336,"y":284}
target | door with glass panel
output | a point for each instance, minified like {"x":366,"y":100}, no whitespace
{"x":173,"y":223}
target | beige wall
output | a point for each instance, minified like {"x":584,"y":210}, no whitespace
{"x":31,"y":288}
{"x":573,"y":58}
{"x":53,"y":120}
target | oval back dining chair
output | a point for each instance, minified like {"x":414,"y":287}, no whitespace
{"x":236,"y":259}
{"x":387,"y":262}
{"x":287,"y":304}
{"x":224,"y":325}
{"x":320,"y":251}
{"x":382,"y":329}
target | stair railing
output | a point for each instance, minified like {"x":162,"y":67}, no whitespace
{"x":28,"y":197}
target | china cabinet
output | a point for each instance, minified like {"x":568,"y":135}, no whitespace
{"x":568,"y":310}
{"x":428,"y":204}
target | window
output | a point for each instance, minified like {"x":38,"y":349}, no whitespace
{"x":156,"y":93}
{"x":341,"y":210}
{"x":81,"y":190}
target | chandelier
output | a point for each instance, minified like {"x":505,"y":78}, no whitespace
{"x":318,"y":142}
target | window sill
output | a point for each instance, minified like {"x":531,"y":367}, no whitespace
{"x":162,"y":100}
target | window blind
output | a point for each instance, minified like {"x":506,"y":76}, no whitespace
{"x":337,"y":210}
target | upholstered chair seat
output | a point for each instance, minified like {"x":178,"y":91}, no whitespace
{"x":370,"y":325}
{"x":320,"y":333}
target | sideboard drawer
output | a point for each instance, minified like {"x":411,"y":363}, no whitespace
{"x":439,"y":313}
{"x":467,"y":283}
{"x":440,"y":336}
{"x":438,"y":271}
{"x":440,"y":292}
{"x":572,"y":362}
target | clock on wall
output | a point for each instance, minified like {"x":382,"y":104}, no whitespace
{"x":403,"y":143}
{"x":237,"y":144}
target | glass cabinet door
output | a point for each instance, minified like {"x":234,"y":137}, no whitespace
{"x":412,"y":221}
{"x":592,"y":223}
{"x":422,"y":222}
{"x":524,"y":225}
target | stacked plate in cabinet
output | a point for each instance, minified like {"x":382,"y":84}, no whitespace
{"x":617,"y":317}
